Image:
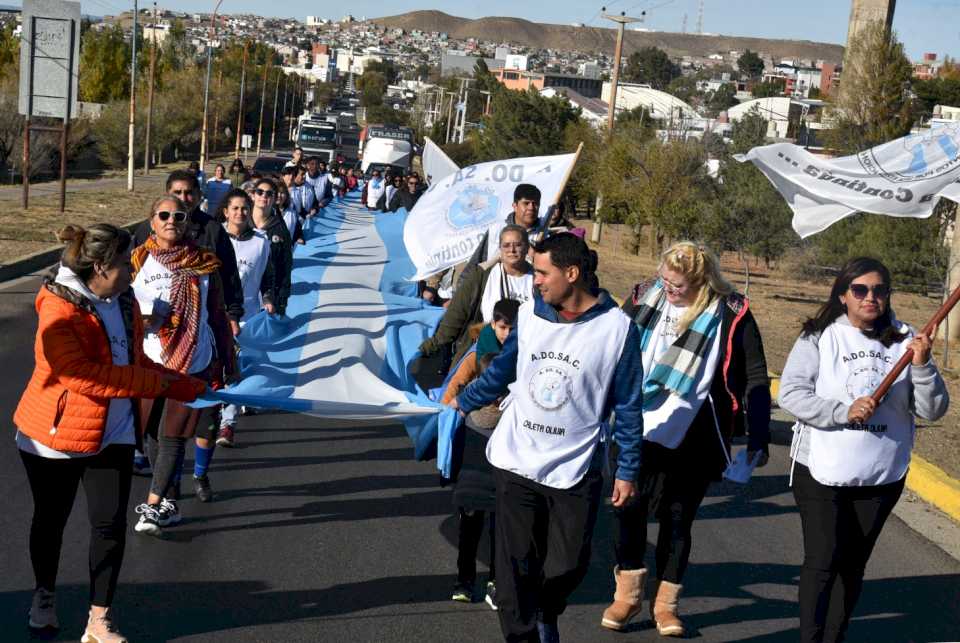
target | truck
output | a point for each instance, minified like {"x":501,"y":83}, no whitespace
{"x":384,"y":147}
{"x":318,"y":138}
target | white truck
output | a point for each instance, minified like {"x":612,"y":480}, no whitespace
{"x":385,"y":147}
{"x":317,"y":138}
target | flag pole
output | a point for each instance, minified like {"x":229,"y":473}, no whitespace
{"x":566,"y":177}
{"x":907,"y":357}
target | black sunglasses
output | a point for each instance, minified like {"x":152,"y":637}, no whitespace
{"x":880,"y":291}
{"x":266,"y":193}
{"x":178,"y":216}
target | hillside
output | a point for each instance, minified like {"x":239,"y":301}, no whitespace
{"x":593,"y":39}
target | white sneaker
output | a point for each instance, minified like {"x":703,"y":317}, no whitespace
{"x":149,"y":522}
{"x":169,"y":513}
{"x":43,"y":611}
{"x":102,"y":629}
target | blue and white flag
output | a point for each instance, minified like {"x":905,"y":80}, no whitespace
{"x":353,"y":324}
{"x":452,"y":217}
{"x":903,"y":178}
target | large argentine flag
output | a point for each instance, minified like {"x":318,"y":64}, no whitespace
{"x":353,"y":324}
{"x":903,"y":178}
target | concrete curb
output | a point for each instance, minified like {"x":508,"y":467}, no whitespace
{"x":36,"y":261}
{"x":933,"y":485}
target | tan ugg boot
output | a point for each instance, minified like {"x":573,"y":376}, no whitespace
{"x":664,"y":609}
{"x":627,"y":599}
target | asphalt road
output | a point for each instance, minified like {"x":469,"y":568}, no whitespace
{"x":326,"y":533}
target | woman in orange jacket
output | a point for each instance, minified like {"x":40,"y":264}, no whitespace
{"x":78,"y":419}
{"x":177,"y":284}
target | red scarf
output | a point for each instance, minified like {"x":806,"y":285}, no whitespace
{"x":187,"y":262}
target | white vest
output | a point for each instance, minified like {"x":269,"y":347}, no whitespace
{"x":878,"y":452}
{"x":552,"y":418}
{"x":374,"y":193}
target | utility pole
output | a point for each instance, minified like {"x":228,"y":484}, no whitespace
{"x":153,"y":67}
{"x":216,"y":113}
{"x":273,"y":121}
{"x":243,"y":79}
{"x":293,"y":99}
{"x":283,"y":110}
{"x":204,"y":152}
{"x":622,"y":21}
{"x":263,"y":99}
{"x":133,"y":98}
{"x":449,"y":116}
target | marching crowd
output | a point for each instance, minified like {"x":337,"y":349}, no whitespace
{"x":554,"y":379}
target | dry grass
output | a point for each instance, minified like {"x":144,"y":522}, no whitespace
{"x":780,"y":301}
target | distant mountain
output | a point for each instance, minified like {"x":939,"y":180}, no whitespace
{"x":594,"y":39}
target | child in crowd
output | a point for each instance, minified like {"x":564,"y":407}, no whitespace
{"x":474,"y":494}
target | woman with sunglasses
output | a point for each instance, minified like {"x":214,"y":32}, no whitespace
{"x":704,"y":377}
{"x":178,"y":287}
{"x":393,"y":185}
{"x":266,"y":220}
{"x":850,"y":454}
{"x":256,"y":276}
{"x":79,"y":418}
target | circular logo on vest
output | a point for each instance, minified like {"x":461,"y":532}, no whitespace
{"x":550,"y":388}
{"x":864,"y":381}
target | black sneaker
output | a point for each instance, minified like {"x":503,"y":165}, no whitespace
{"x":462,"y":593}
{"x":201,"y":486}
{"x":149,"y":522}
{"x":169,"y":513}
{"x":491,"y":598}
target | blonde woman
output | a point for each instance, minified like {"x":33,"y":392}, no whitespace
{"x":704,"y":377}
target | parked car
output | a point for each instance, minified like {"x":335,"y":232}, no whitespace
{"x":270,"y":165}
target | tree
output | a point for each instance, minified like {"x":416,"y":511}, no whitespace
{"x":524,"y":124}
{"x":372,"y":86}
{"x":176,"y":50}
{"x":873,"y":105}
{"x":386,"y":115}
{"x":104,"y":65}
{"x":749,"y":132}
{"x":723,"y":98}
{"x":769,"y":88}
{"x":9,"y":51}
{"x":386,"y":68}
{"x":937,"y":91}
{"x":684,"y":88}
{"x":750,"y":64}
{"x":650,"y":65}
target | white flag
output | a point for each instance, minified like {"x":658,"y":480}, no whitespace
{"x":451,"y":218}
{"x":902,"y":178}
{"x":436,"y":164}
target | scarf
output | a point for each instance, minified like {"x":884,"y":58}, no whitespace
{"x":676,"y":370}
{"x":187,"y":262}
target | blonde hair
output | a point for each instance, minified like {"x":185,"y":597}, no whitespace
{"x":701,"y":268}
{"x":166,"y":197}
{"x":101,"y":244}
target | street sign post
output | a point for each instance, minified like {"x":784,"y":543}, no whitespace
{"x":49,"y":61}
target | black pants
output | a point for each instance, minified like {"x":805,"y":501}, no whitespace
{"x":543,"y":548}
{"x":840,"y":527}
{"x":106,"y":483}
{"x":672,"y":492}
{"x":468,"y":541}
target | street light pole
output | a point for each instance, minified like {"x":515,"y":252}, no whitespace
{"x":273,"y":121}
{"x":153,"y":67}
{"x":133,"y":99}
{"x":206,"y":87}
{"x":243,"y":78}
{"x":263,"y":99}
{"x":622,"y":21}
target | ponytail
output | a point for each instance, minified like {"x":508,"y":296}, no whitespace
{"x":101,"y":244}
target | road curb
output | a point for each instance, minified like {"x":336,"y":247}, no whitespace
{"x":933,"y":485}
{"x":36,"y":261}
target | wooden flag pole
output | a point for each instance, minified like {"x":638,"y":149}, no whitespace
{"x":907,"y":357}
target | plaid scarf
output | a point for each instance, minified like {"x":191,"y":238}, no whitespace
{"x":187,"y":262}
{"x":676,"y":370}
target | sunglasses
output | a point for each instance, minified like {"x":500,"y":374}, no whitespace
{"x":517,"y":245}
{"x":859,"y":291}
{"x":178,"y":216}
{"x":267,"y":193}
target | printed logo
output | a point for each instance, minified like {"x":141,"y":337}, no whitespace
{"x":474,"y":207}
{"x":550,"y":388}
{"x":864,"y":381}
{"x":917,"y":157}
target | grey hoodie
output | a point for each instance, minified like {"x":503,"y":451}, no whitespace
{"x":929,"y":399}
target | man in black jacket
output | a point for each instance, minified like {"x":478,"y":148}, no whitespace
{"x":207,"y":233}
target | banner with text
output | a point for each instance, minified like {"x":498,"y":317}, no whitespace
{"x":436,"y":164}
{"x":451,"y":218}
{"x":903,"y":178}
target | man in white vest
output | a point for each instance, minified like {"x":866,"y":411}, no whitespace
{"x":572,"y":358}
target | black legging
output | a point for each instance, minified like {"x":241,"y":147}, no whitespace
{"x":106,"y":483}
{"x":675,"y":496}
{"x":840,"y":527}
{"x":468,"y":541}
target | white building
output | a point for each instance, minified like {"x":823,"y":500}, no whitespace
{"x":589,"y":70}
{"x":661,"y":105}
{"x":515,"y":61}
{"x":775,"y":109}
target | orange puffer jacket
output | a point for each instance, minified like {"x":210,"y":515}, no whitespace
{"x":65,"y":404}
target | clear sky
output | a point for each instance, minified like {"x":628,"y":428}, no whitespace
{"x":923,"y":25}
